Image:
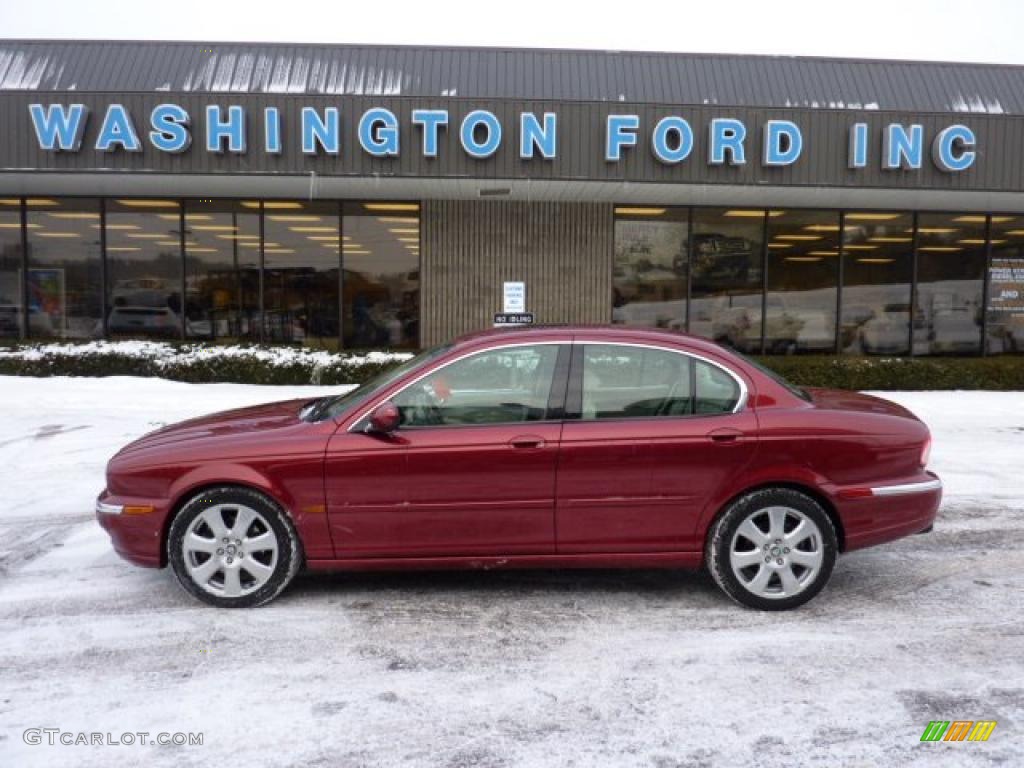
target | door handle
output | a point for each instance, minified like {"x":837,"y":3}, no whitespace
{"x":725,"y":436}
{"x":527,"y":441}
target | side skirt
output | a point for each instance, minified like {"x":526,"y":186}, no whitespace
{"x":686,"y":560}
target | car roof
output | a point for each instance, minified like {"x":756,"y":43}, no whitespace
{"x":607,"y":333}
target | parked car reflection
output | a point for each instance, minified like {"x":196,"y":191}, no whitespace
{"x":955,"y":330}
{"x":886,"y":333}
{"x":144,"y":306}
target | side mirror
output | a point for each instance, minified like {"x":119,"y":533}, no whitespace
{"x":384,"y":419}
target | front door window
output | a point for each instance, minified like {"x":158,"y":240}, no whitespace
{"x":501,"y":386}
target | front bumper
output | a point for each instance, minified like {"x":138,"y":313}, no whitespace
{"x":135,"y":527}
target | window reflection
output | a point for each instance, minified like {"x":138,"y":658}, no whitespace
{"x":382,"y":278}
{"x":1006,"y":286}
{"x":803,"y":274}
{"x":878,"y":252}
{"x":10,"y":268}
{"x":726,"y":258}
{"x":950,"y":280}
{"x":144,"y":268}
{"x":307,"y":299}
{"x":301,"y":263}
{"x":64,"y":274}
{"x":222,"y":261}
{"x":649,"y":279}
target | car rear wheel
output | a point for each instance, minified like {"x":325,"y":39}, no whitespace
{"x":233,"y":548}
{"x":773,"y":549}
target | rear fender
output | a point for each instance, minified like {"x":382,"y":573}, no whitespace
{"x":763,"y":476}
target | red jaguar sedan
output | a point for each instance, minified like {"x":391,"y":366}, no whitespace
{"x":538,"y":448}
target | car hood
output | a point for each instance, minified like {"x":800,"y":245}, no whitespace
{"x":843,"y":400}
{"x":269,"y":417}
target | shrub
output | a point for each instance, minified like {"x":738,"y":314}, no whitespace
{"x":196,"y":362}
{"x":901,"y":373}
{"x":296,"y":365}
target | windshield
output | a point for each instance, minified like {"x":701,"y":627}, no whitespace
{"x":793,"y":388}
{"x":332,"y":407}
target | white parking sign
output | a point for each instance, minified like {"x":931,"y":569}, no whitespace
{"x":513,"y":297}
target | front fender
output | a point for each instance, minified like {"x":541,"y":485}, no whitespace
{"x":206,"y":476}
{"x":296,"y":485}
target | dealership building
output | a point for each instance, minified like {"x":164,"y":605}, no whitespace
{"x":380,"y":196}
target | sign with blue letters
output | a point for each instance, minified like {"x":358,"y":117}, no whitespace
{"x":225,"y":130}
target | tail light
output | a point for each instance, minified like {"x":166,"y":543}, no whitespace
{"x":926,"y":451}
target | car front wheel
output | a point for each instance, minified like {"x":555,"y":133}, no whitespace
{"x":772,"y":549}
{"x":233,"y":548}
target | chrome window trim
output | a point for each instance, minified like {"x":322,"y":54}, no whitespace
{"x":908,"y":488}
{"x":744,"y":391}
{"x":741,"y":402}
{"x":445,"y":364}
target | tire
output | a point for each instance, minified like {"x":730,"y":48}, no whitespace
{"x":209,"y":557}
{"x":748,"y":532}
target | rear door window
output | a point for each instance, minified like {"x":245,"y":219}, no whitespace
{"x":621,"y":382}
{"x":717,"y":391}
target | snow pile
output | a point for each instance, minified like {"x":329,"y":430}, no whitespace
{"x":163,"y":354}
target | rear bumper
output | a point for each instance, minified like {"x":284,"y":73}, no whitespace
{"x":135,"y":527}
{"x":878,"y":514}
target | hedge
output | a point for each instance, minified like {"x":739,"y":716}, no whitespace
{"x":197,"y":363}
{"x":900,"y":373}
{"x":295,"y":365}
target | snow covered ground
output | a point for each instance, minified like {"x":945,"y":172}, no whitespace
{"x":492,"y":669}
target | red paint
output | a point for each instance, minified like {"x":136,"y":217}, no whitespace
{"x":445,"y":491}
{"x":562,"y":493}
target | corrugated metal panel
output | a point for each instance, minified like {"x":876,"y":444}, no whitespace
{"x":551,"y":246}
{"x":752,"y":81}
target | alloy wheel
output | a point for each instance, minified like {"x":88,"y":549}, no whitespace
{"x":230,"y":550}
{"x":776,"y":552}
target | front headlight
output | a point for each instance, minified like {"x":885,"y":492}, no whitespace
{"x":108,"y":509}
{"x":104,"y":508}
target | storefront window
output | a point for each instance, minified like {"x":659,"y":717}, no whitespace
{"x":878,"y":254}
{"x":950,"y":282}
{"x":803,"y":275}
{"x":1006,"y":286}
{"x":11,"y":319}
{"x":381,"y":283}
{"x":65,"y":295}
{"x":301,"y":263}
{"x":335,"y":269}
{"x":144,"y":268}
{"x":222,"y":262}
{"x":649,"y":278}
{"x":727,"y":261}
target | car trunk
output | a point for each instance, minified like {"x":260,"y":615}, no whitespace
{"x":843,"y":400}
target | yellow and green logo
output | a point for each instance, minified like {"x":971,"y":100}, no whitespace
{"x":958,"y":730}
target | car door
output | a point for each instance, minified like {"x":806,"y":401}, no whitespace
{"x":651,"y":436}
{"x":471,"y":469}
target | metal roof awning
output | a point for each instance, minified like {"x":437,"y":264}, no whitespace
{"x":495,"y":73}
{"x":395,"y":188}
